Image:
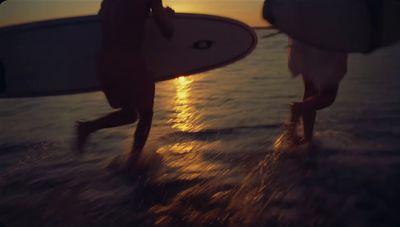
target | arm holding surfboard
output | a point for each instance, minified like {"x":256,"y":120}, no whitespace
{"x":162,"y":16}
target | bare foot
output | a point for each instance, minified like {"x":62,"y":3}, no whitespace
{"x":290,"y":132}
{"x":128,"y":164}
{"x":82,"y":134}
{"x":133,"y":158}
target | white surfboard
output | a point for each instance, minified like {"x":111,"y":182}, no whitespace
{"x":59,"y":56}
{"x":337,"y":25}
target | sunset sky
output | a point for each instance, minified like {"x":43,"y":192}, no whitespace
{"x":20,"y":11}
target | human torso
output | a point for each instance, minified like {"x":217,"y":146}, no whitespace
{"x":123,"y":23}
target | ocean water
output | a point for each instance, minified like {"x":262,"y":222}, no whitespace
{"x":210,"y":159}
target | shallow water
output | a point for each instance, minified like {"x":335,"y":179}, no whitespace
{"x":210,"y":158}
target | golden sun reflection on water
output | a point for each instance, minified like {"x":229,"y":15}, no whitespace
{"x":186,"y":156}
{"x":186,"y":117}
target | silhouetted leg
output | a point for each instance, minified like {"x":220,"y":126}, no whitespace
{"x":117,"y":118}
{"x":325,"y":97}
{"x":141,"y":135}
{"x":142,"y":129}
{"x":309,"y":115}
{"x":144,"y":104}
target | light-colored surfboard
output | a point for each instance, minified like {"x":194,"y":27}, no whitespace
{"x":337,"y":25}
{"x":59,"y":56}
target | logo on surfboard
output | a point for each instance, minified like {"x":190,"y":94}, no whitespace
{"x":203,"y":44}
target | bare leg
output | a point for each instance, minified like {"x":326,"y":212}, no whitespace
{"x":308,"y":124}
{"x":118,"y":118}
{"x":311,"y":103}
{"x":145,"y":109}
{"x":324,"y":99}
{"x":309,"y":115}
{"x":143,"y":129}
{"x":141,"y":135}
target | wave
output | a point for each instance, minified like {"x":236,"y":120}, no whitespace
{"x":10,"y":148}
{"x":207,"y":134}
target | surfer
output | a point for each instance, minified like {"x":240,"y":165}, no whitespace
{"x":322,"y":72}
{"x":125,"y":80}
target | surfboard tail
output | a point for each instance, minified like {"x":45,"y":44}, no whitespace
{"x":337,"y":25}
